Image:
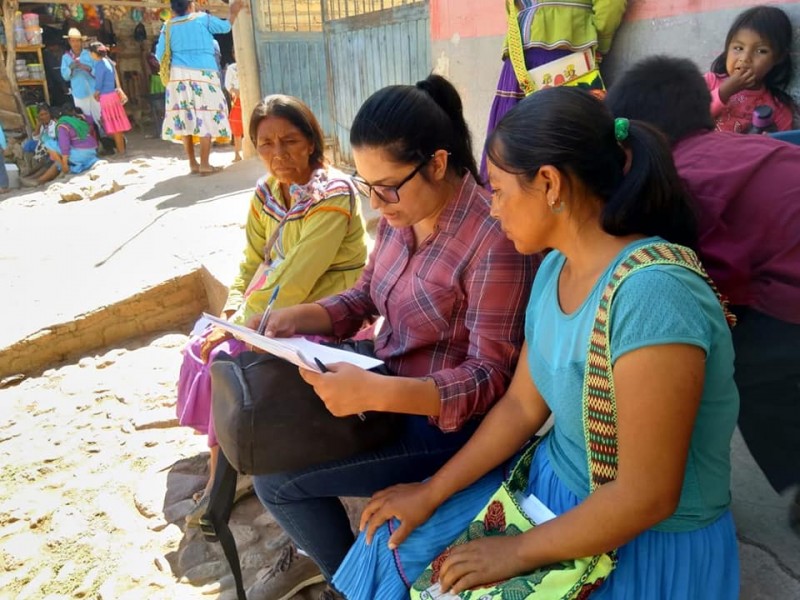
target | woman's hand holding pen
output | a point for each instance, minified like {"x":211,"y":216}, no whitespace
{"x":345,"y":389}
{"x":281,"y":323}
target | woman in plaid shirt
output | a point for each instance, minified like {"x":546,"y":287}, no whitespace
{"x":444,"y":291}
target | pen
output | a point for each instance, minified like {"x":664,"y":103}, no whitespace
{"x":265,"y":317}
{"x":324,"y":369}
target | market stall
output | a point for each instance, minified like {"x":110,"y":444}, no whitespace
{"x":32,"y":43}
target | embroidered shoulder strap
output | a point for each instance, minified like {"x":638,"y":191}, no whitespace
{"x":599,"y":402}
{"x":336,"y":183}
{"x":516,"y":53}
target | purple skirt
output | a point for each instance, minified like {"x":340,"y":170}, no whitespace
{"x":194,"y":384}
{"x":509,"y":94}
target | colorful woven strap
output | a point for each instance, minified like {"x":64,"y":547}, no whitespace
{"x":599,"y":401}
{"x":516,"y":54}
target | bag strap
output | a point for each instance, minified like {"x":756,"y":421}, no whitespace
{"x":273,"y":238}
{"x":599,"y":401}
{"x":516,"y":53}
{"x":166,"y":38}
{"x":214,"y":523}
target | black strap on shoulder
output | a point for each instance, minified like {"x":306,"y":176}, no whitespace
{"x":214,"y":524}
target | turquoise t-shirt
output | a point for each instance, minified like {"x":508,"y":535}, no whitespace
{"x":657,"y":305}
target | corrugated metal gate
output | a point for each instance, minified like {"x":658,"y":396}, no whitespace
{"x":291,"y":53}
{"x":333,"y":54}
{"x":371,"y":44}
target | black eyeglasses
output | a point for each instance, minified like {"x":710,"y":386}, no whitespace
{"x":387,"y":193}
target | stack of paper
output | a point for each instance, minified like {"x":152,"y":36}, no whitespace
{"x":297,"y":350}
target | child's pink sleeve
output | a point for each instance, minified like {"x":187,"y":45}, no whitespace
{"x":713,"y":82}
{"x":784,"y":116}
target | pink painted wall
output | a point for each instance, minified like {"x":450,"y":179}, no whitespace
{"x":477,"y":18}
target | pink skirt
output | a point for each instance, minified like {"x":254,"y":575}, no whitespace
{"x":112,"y":113}
{"x":193,"y":407}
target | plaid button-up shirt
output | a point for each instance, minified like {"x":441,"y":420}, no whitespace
{"x":453,"y":309}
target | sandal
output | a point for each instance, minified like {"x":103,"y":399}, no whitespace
{"x":211,"y":172}
{"x":193,"y":518}
{"x":244,"y":488}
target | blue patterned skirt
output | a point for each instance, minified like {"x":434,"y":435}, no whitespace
{"x":656,"y":565}
{"x":195,"y":106}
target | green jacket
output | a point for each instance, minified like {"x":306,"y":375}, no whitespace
{"x":321,"y":249}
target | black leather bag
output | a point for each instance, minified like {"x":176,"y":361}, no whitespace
{"x":269,"y":420}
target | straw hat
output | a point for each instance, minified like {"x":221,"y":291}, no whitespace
{"x":74,"y":33}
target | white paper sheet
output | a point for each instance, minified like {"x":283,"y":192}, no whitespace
{"x":297,"y":350}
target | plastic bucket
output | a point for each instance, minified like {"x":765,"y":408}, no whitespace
{"x":30,"y":20}
{"x":33,"y":35}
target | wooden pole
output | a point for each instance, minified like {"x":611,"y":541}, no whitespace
{"x":244,"y":45}
{"x":10,"y":8}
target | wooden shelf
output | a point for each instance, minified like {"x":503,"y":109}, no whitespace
{"x":26,"y":48}
{"x":42,"y":83}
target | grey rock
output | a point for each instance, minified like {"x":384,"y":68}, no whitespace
{"x":195,"y":553}
{"x":181,"y":486}
{"x":245,"y":535}
{"x":204,"y":573}
{"x":176,"y":512}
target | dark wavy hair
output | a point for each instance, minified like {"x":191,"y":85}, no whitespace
{"x":772,"y":24}
{"x":665,"y":91}
{"x":411,"y":122}
{"x":179,"y":7}
{"x":298,"y":114}
{"x":573,"y":131}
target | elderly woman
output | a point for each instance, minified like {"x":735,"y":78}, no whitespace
{"x":196,"y":109}
{"x":304,"y":233}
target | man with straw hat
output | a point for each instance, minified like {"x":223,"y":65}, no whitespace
{"x":76,"y":68}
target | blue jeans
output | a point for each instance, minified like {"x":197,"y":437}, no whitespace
{"x":306,"y":502}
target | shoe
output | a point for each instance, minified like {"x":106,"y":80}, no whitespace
{"x":330,"y":594}
{"x":193,"y":518}
{"x":211,"y":172}
{"x":288,"y":575}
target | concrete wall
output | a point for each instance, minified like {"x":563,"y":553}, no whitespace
{"x":175,"y":302}
{"x":467,"y":40}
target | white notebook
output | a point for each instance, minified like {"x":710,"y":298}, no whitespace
{"x":297,"y":350}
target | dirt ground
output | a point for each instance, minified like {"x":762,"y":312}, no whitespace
{"x":95,"y":474}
